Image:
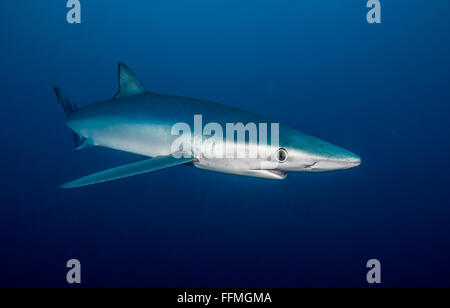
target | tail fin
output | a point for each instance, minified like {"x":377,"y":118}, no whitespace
{"x":80,"y":142}
{"x":62,"y":99}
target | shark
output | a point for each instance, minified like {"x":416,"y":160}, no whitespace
{"x":138,"y":121}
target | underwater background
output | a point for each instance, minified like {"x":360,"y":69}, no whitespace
{"x":379,"y":90}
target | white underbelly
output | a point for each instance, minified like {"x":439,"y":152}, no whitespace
{"x":146,"y":140}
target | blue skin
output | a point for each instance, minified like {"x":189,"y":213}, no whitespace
{"x":142,"y":124}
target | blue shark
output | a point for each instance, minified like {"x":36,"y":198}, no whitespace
{"x":141,"y":122}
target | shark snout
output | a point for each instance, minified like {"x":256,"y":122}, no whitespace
{"x":332,"y":164}
{"x":355,"y":160}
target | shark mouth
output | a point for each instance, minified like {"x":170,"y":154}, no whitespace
{"x":272,"y":174}
{"x":278,"y":174}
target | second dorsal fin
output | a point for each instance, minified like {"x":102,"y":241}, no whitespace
{"x":129,"y":84}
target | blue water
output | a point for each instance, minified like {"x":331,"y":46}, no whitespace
{"x":381,"y":91}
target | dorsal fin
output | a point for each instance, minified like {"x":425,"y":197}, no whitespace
{"x":129,"y":84}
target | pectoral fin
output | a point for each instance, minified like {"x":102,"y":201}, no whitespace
{"x":141,"y":167}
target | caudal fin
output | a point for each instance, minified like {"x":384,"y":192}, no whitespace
{"x":64,"y":101}
{"x":80,"y":142}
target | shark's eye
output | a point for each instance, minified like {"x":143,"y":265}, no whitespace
{"x":282,"y":155}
